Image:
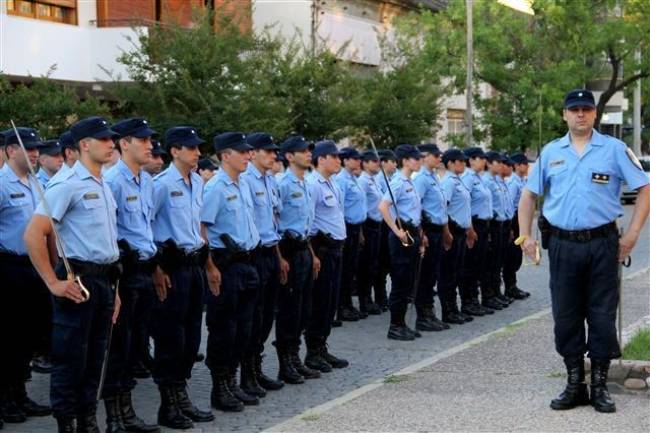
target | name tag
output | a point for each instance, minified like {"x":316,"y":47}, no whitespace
{"x":409,"y":189}
{"x":176,"y":193}
{"x":132,"y":198}
{"x":17,"y":195}
{"x":556,"y":162}
{"x":259,"y":193}
{"x":231,"y":197}
{"x":327,"y":197}
{"x":600,"y":178}
{"x":91,"y":196}
{"x":296,"y":194}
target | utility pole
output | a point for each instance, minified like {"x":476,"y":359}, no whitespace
{"x":470,"y":73}
{"x":636,"y":121}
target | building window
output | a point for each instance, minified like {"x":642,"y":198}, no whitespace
{"x":60,"y":11}
{"x":455,"y":121}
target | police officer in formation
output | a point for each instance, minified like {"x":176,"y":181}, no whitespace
{"x":580,"y":177}
{"x":50,"y":161}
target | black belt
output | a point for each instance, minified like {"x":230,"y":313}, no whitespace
{"x":289,"y":246}
{"x":585,"y":235}
{"x":15,"y":259}
{"x":372,"y":224}
{"x":142,"y":266}
{"x":410,"y":227}
{"x":270,"y":250}
{"x":321,"y":240}
{"x":110,"y":270}
{"x":480,"y":222}
{"x":455,"y":228}
{"x":196,"y":257}
{"x":431,"y":227}
{"x":222,"y":257}
{"x":350,"y":226}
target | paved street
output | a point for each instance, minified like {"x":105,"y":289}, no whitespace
{"x":373,"y":357}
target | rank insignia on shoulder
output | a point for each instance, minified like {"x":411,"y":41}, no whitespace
{"x":600,"y":177}
{"x":232,"y":197}
{"x":176,"y":193}
{"x":633,"y":158}
{"x":91,"y":196}
{"x":556,"y":162}
{"x":259,"y":193}
{"x":17,"y":195}
{"x":132,"y":198}
{"x":296,"y":194}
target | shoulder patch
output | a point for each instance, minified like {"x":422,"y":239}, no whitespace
{"x":633,"y":158}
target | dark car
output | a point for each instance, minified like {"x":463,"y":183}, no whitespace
{"x":629,"y":195}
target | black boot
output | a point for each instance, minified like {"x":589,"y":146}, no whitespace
{"x":28,"y":406}
{"x":247,"y":399}
{"x":87,"y":423}
{"x":130,"y":421}
{"x":332,"y":360}
{"x":492,"y":303}
{"x":287,"y":371}
{"x":426,"y":320}
{"x":265,"y":381}
{"x":169,"y":414}
{"x":140,"y":370}
{"x":188,"y":409}
{"x":515,"y":293}
{"x":66,"y":425}
{"x":10,"y":411}
{"x":398,"y":329}
{"x":113,"y":416}
{"x":301,"y":368}
{"x":315,"y":360}
{"x":248,"y":379}
{"x":575,"y":394}
{"x":600,"y":398}
{"x":221,"y":397}
{"x":470,"y":309}
{"x":450,"y":314}
{"x":348,"y":313}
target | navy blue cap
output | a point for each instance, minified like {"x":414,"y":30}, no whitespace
{"x":519,"y":158}
{"x":386,"y":154}
{"x":184,"y":136}
{"x":324,"y":148}
{"x":579,"y":98}
{"x":369,"y":155}
{"x":407,"y":151}
{"x":507,"y":160}
{"x":494,"y":156}
{"x":453,"y":155}
{"x":349,"y":153}
{"x":261,"y":140}
{"x":133,"y":127}
{"x":430,"y":148}
{"x":296,"y":143}
{"x":29,"y":137}
{"x":156,"y":148}
{"x":52,"y":148}
{"x":93,"y":127}
{"x":67,"y":141}
{"x":281,"y":158}
{"x":231,"y":140}
{"x":2,"y":139}
{"x":206,"y":164}
{"x":474,"y":152}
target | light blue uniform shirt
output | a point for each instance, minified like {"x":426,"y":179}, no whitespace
{"x":43,"y":177}
{"x":134,"y":207}
{"x":228,"y":209}
{"x":407,"y":198}
{"x":263,"y":189}
{"x":481,"y":204}
{"x":296,"y":209}
{"x":499,"y":195}
{"x":17,"y":204}
{"x":432,"y":196}
{"x":64,"y":168}
{"x":583,"y":192}
{"x":379,"y":177}
{"x":355,"y":208}
{"x":510,"y":209}
{"x":373,"y":193}
{"x":458,"y":199}
{"x":327,"y":206}
{"x":177,"y":209}
{"x":86,"y":215}
{"x":515,"y":185}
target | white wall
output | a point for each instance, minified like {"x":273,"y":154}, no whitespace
{"x":29,"y":47}
{"x":286,"y":18}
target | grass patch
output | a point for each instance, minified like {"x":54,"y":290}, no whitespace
{"x":509,"y":330}
{"x":311,"y":417}
{"x":638,"y":349}
{"x":391,"y":378}
{"x":557,"y":375}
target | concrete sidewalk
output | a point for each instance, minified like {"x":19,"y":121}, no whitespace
{"x":502,"y":382}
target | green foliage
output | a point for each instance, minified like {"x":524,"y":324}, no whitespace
{"x":638,"y":348}
{"x":46,"y":105}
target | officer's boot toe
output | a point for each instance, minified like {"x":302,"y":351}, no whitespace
{"x":221,"y":397}
{"x":265,"y":381}
{"x":400,"y":333}
{"x":66,"y":425}
{"x":575,"y":394}
{"x":373,"y":309}
{"x":169,"y":413}
{"x":315,"y":360}
{"x":247,"y":399}
{"x":332,"y":360}
{"x":131,"y":421}
{"x":287,"y":372}
{"x":188,"y":409}
{"x":515,"y":294}
{"x":470,"y":309}
{"x":302,"y":369}
{"x":493,"y":304}
{"x":248,"y":379}
{"x":348,"y":314}
{"x":600,"y":398}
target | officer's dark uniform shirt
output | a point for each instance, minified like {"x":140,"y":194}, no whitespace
{"x":583,"y":192}
{"x":17,"y":204}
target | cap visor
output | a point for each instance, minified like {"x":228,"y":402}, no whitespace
{"x":270,"y":147}
{"x":144,"y":133}
{"x":580,"y":104}
{"x":242,"y":147}
{"x":192,"y":142}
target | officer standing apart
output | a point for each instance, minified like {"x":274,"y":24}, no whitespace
{"x":354,"y":210}
{"x":228,"y":225}
{"x":515,"y":184}
{"x":436,"y":229}
{"x":84,"y":210}
{"x":179,"y":280}
{"x":327,"y":237}
{"x":132,"y":189}
{"x":403,"y":241}
{"x":25,"y":310}
{"x":271,"y":267}
{"x":580,"y":177}
{"x":295,"y":219}
{"x":369,"y":256}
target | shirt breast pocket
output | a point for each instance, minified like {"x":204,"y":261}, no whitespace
{"x":329,"y":201}
{"x":559,"y":179}
{"x":20,"y":205}
{"x":95,"y":206}
{"x":603,"y":178}
{"x":177,"y":202}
